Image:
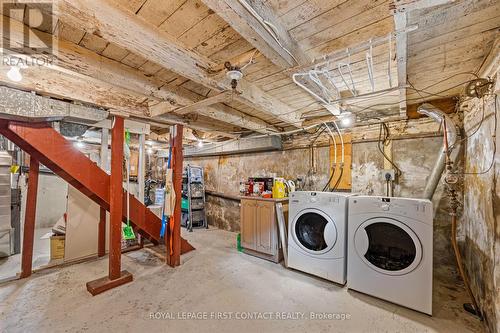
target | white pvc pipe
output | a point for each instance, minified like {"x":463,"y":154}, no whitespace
{"x":334,"y":143}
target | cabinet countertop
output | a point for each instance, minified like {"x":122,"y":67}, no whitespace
{"x":263,"y":199}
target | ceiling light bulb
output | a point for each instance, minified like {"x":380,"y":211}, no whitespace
{"x":150,"y":151}
{"x":346,"y":121}
{"x":14,"y":74}
{"x":200,"y":144}
{"x":79,"y":142}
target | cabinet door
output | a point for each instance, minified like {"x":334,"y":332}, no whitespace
{"x":265,"y":227}
{"x":248,"y":218}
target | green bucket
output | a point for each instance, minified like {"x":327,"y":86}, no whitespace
{"x":185,"y":204}
{"x":238,"y":243}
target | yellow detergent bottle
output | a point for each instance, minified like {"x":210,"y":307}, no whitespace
{"x":279,"y":188}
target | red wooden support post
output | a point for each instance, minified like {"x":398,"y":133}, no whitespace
{"x":116,"y":198}
{"x":29,"y":219}
{"x":116,"y":276}
{"x":174,"y":229}
{"x":101,"y":238}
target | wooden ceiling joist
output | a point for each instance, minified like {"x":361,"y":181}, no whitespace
{"x":219,"y":98}
{"x":400,"y":23}
{"x":260,"y":26}
{"x":107,"y":19}
{"x":89,"y":66}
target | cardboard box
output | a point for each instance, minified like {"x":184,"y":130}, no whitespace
{"x":57,"y":247}
{"x":134,"y":163}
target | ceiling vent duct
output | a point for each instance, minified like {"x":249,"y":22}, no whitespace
{"x":238,"y":146}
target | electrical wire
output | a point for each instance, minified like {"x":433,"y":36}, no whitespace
{"x":493,"y":157}
{"x":363,"y":109}
{"x":334,"y":143}
{"x":271,"y":29}
{"x":385,"y":128}
{"x":338,"y":180}
{"x":341,"y":140}
{"x":381,"y":104}
{"x":335,"y":157}
{"x":473,"y":132}
{"x":342,"y":165}
{"x":328,"y":183}
{"x":250,"y":61}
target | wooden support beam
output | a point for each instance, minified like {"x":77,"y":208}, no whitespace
{"x":116,"y":198}
{"x":79,"y":64}
{"x":418,"y":4}
{"x":238,"y":118}
{"x":101,"y":236}
{"x":220,"y":98}
{"x":272,"y":39}
{"x":141,"y":175}
{"x":48,"y":82}
{"x":109,"y":20}
{"x":400,"y":10}
{"x":173,"y":239}
{"x":116,"y":276}
{"x":29,"y":220}
{"x":318,"y":120}
{"x":400,"y":21}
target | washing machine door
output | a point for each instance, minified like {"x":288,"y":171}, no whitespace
{"x":388,"y":246}
{"x":314,"y":231}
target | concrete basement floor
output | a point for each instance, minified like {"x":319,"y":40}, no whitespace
{"x":214,"y":278}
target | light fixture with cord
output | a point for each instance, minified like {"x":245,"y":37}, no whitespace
{"x":234,"y":74}
{"x":14,"y":74}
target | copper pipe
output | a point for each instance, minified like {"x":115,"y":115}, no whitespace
{"x":458,"y":257}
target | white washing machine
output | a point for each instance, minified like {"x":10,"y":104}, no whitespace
{"x":390,"y":250}
{"x":317,"y":232}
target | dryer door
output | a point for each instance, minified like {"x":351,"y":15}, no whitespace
{"x":388,"y":246}
{"x":314,"y":231}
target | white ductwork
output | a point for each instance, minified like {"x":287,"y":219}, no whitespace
{"x":240,"y":146}
{"x":451,"y":130}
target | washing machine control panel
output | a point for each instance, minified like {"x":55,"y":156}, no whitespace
{"x":316,"y":198}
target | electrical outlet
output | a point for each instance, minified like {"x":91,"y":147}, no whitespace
{"x":388,"y":174}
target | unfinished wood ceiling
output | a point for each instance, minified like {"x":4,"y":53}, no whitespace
{"x":451,"y":41}
{"x":150,"y":58}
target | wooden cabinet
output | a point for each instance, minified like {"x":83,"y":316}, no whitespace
{"x":249,"y":215}
{"x":259,"y":227}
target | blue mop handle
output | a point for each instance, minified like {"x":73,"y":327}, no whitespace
{"x":164,"y":219}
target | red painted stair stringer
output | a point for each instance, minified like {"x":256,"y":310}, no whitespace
{"x":51,"y":149}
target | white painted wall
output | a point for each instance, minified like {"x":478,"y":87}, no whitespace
{"x":51,"y":199}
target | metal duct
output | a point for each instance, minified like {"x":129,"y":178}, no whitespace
{"x":451,"y":128}
{"x":246,"y":145}
{"x":25,"y":106}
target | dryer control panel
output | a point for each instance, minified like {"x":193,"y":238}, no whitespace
{"x":419,"y":209}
